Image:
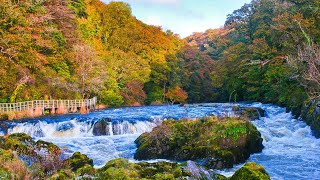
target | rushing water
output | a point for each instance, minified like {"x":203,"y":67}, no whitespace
{"x":291,"y":152}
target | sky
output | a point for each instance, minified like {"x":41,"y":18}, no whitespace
{"x":184,"y":16}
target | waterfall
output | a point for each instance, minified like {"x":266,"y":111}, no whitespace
{"x":291,"y":151}
{"x":76,"y":128}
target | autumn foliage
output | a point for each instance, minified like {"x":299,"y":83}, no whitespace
{"x":84,"y":48}
{"x":176,"y":94}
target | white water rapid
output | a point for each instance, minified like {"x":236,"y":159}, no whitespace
{"x":291,"y":151}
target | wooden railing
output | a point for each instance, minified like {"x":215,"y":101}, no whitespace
{"x":47,"y":104}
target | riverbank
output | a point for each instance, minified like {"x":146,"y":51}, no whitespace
{"x":44,"y":162}
{"x":290,"y":150}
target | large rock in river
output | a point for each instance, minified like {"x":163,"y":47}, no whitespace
{"x":218,"y":142}
{"x":101,"y":127}
{"x":250,"y":113}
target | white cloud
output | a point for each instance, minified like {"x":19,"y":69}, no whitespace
{"x":153,"y":20}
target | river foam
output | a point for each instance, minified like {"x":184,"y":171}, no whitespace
{"x":291,"y":151}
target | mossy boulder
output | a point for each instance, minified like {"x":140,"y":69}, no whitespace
{"x":50,"y":148}
{"x":118,"y":169}
{"x":78,"y":160}
{"x":23,"y":144}
{"x":123,"y":169}
{"x":251,"y":171}
{"x":250,"y":113}
{"x":100,"y":128}
{"x":19,"y":142}
{"x":218,"y":142}
{"x":86,"y":170}
{"x":63,"y":174}
{"x":199,"y":172}
{"x":151,"y":170}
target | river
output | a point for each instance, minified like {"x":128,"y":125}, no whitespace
{"x":291,"y":151}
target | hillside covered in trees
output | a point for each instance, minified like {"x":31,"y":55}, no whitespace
{"x":267,"y":51}
{"x":79,"y":49}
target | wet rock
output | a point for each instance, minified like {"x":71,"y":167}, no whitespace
{"x":101,"y":127}
{"x":295,"y":111}
{"x":251,"y":171}
{"x":65,"y":126}
{"x":198,"y":172}
{"x":123,"y":169}
{"x":250,"y":113}
{"x":311,"y":115}
{"x":219,"y":142}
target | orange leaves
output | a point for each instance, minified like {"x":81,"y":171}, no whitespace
{"x":133,"y":93}
{"x":176,"y":94}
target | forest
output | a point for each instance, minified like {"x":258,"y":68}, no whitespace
{"x":267,"y":51}
{"x":264,"y":62}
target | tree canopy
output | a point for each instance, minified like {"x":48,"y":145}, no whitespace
{"x":83,"y":48}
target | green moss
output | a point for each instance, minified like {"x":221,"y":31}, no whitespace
{"x":232,"y":131}
{"x":251,"y":171}
{"x":78,"y":160}
{"x":164,"y":177}
{"x":63,"y":174}
{"x":19,"y":142}
{"x":177,"y":172}
{"x":119,"y":173}
{"x":116,"y":163}
{"x":23,"y":137}
{"x":52,"y":148}
{"x":17,"y":145}
{"x":4,"y":174}
{"x":207,"y":138}
{"x":86,"y":169}
{"x":123,"y":169}
{"x":6,"y":155}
